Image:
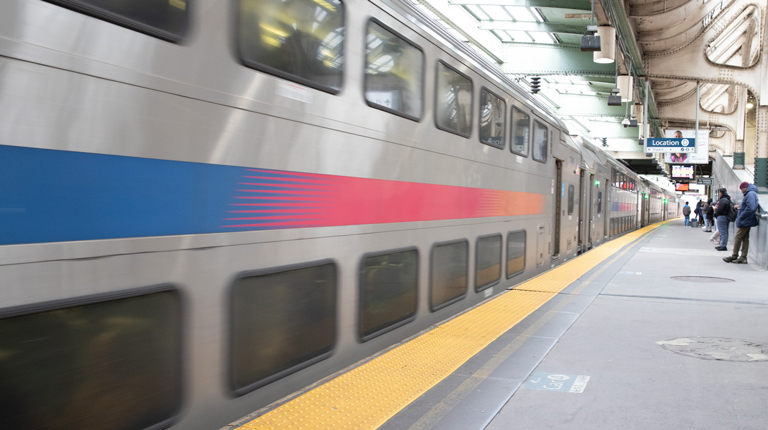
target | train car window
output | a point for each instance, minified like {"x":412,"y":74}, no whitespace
{"x":164,"y":19}
{"x":453,"y":100}
{"x":515,"y":253}
{"x":96,"y":362}
{"x":282,"y":320}
{"x":488,"y":261}
{"x":540,"y":142}
{"x":570,"y":199}
{"x":493,"y":113}
{"x":299,"y":40}
{"x":388,"y":291}
{"x":394,"y":72}
{"x":521,"y":132}
{"x":448,"y":274}
{"x":599,"y":202}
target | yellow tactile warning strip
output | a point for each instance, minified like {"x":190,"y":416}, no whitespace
{"x":367,"y":396}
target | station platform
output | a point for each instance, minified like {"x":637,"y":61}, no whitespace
{"x":652,"y":330}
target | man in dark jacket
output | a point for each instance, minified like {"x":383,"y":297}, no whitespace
{"x":746,"y":219}
{"x":721,"y":214}
{"x":686,"y":213}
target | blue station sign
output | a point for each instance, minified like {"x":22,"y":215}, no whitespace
{"x":669,"y":144}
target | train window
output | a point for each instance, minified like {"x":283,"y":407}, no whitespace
{"x":521,"y":132}
{"x":570,"y":199}
{"x":453,"y":100}
{"x":599,"y":202}
{"x":540,"y":141}
{"x":388,"y":289}
{"x":97,"y":362}
{"x":282,"y":320}
{"x":448,"y":275}
{"x":300,"y":40}
{"x":515,"y":253}
{"x":164,"y":19}
{"x":493,"y":111}
{"x":488,"y":261}
{"x":393,"y":72}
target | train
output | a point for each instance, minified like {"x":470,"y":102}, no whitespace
{"x":209,"y":205}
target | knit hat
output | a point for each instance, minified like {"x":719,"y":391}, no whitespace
{"x":744,"y":184}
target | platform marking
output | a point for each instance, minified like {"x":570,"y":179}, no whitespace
{"x":557,"y":382}
{"x":440,"y":410}
{"x":367,"y":396}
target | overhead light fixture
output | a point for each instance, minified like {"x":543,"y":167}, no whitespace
{"x":625,"y":123}
{"x":607,"y":52}
{"x":626,"y":86}
{"x":591,"y":42}
{"x":750,"y":105}
{"x":614,"y":99}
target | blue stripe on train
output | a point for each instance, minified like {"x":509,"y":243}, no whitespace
{"x":51,"y":196}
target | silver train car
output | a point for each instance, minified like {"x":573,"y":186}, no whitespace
{"x":207,"y":205}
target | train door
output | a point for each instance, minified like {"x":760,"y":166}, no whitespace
{"x":541,"y":245}
{"x":583,"y":236}
{"x":607,"y":210}
{"x":589,"y":208}
{"x":559,"y":194}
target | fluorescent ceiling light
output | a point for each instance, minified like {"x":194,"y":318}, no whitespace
{"x":536,"y":13}
{"x":520,"y":13}
{"x":496,"y":13}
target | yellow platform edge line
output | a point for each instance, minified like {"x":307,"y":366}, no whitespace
{"x":367,"y":396}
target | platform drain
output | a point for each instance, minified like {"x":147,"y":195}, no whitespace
{"x":716,"y":348}
{"x":702,"y":279}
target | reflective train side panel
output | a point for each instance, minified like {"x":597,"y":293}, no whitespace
{"x":193,"y":227}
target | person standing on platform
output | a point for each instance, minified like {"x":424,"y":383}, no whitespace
{"x":687,"y":213}
{"x":746,"y":219}
{"x":716,"y":235}
{"x":697,"y":211}
{"x":721,"y":214}
{"x":704,"y":210}
{"x":710,"y":216}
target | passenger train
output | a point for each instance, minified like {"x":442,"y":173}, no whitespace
{"x":208,"y":205}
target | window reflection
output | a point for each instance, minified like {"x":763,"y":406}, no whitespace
{"x":493,"y":109}
{"x":388,"y":286}
{"x":301,"y":40}
{"x":540,"y":141}
{"x":453,"y":104}
{"x":393,"y":72}
{"x":521,"y":132}
{"x":166,"y":19}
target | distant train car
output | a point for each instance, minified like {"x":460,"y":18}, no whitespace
{"x":206,"y":208}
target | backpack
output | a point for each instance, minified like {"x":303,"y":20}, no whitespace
{"x":732,"y":213}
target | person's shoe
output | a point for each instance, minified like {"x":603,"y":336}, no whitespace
{"x":742,"y":260}
{"x":729,"y":259}
{"x":721,"y":248}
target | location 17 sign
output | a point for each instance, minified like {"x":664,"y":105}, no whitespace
{"x":668,"y":144}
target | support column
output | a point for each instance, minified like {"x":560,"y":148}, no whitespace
{"x":761,"y":149}
{"x":741,"y":108}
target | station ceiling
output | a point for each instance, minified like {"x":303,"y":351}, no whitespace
{"x":529,"y":38}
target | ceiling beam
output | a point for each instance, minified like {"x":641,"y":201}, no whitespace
{"x":532,"y":26}
{"x":551,"y":59}
{"x":544,"y":4}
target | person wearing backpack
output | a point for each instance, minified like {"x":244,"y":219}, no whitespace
{"x":746,"y":219}
{"x":721,"y":214}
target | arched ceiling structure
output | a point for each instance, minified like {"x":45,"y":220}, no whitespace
{"x":673,"y":44}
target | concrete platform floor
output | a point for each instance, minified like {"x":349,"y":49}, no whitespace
{"x":609,"y":331}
